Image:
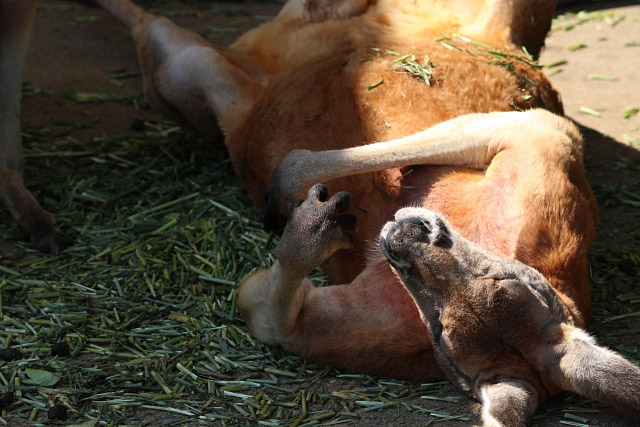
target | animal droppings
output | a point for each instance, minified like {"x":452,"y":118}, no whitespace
{"x":57,"y":412}
{"x":9,"y":354}
{"x":60,"y":349}
{"x":6,"y":399}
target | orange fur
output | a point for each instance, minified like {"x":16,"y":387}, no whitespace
{"x":279,"y":121}
{"x":320,"y":97}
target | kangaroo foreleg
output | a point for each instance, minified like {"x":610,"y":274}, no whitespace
{"x":272,"y":299}
{"x":369,"y":325}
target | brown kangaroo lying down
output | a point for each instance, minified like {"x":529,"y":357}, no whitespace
{"x":492,"y":250}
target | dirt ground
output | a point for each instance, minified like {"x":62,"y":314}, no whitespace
{"x":606,"y":52}
{"x":73,"y":46}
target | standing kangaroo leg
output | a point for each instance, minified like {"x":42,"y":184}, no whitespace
{"x":184,"y":77}
{"x":15,"y":23}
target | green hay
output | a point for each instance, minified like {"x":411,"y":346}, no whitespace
{"x":418,"y":69}
{"x":569,"y":21}
{"x":590,"y":111}
{"x":160,"y":233}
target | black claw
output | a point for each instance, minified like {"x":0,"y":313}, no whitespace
{"x":347,"y":222}
{"x":343,"y":201}
{"x":350,"y":238}
{"x":274,"y":222}
{"x":318,"y":192}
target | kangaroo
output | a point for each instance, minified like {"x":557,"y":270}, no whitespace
{"x":429,"y":104}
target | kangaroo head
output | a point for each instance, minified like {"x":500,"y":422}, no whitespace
{"x":498,"y":329}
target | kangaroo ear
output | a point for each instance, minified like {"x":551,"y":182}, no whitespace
{"x":578,"y":364}
{"x":510,"y":402}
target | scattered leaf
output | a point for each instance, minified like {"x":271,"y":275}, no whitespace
{"x":590,"y":111}
{"x":556,"y":63}
{"x":87,"y":18}
{"x":314,"y":118}
{"x":603,"y":77}
{"x":41,"y":377}
{"x":381,"y":82}
{"x":90,"y":423}
{"x":418,"y":69}
{"x":631,"y":112}
{"x":576,"y":46}
{"x":88,"y":97}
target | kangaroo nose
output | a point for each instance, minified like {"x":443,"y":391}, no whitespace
{"x":423,"y":226}
{"x":426,"y":229}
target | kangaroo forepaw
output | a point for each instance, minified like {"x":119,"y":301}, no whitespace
{"x":315,"y":229}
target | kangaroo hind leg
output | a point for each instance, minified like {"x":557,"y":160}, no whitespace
{"x":523,"y":23}
{"x":187,"y":78}
{"x":322,"y":10}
